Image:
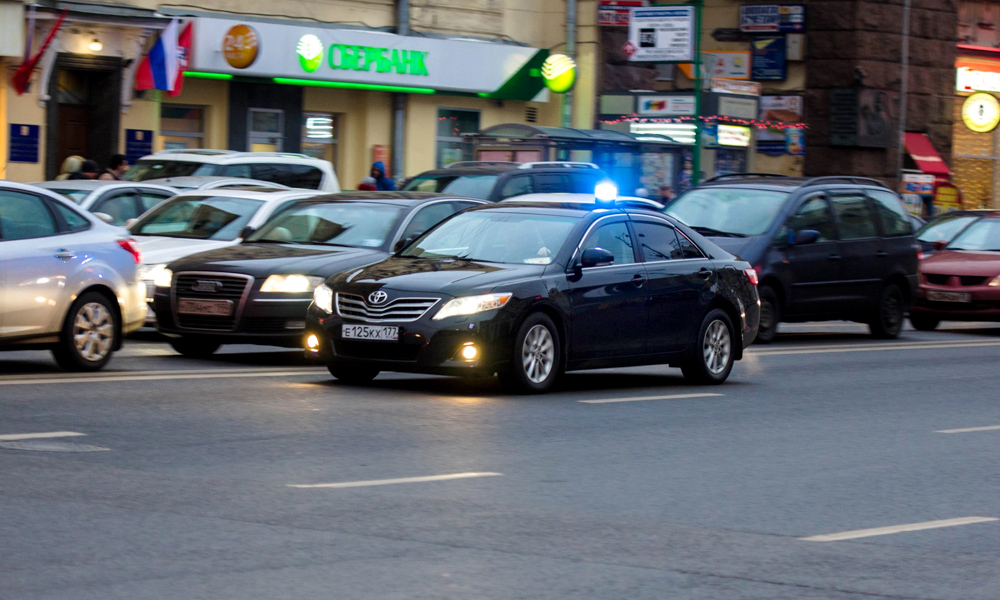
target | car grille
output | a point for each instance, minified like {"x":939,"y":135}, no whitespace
{"x":937,"y":279}
{"x":233,"y":287}
{"x":376,"y":350}
{"x":970,"y":280}
{"x":354,"y":307}
{"x":965,"y":280}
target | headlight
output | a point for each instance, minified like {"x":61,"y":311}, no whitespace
{"x":290,"y":284}
{"x":995,"y":282}
{"x":470,"y":305}
{"x":323,"y":298}
{"x":164,"y":277}
{"x":150,"y":272}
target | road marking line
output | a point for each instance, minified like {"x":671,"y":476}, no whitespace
{"x":110,"y":373}
{"x":863,"y":533}
{"x":873,"y":348}
{"x":353,"y":484}
{"x":643,"y":398}
{"x":14,"y":437}
{"x":166,"y":375}
{"x":970,"y":429}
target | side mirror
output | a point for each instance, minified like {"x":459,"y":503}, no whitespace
{"x":246,"y":231}
{"x":595,"y":257}
{"x":940,"y":245}
{"x":401,"y":244}
{"x":105,"y":217}
{"x":805,"y":236}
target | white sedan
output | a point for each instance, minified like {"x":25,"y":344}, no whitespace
{"x":116,"y":202}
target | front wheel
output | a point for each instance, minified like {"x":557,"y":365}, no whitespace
{"x":535,"y":357}
{"x":193,"y":347}
{"x":89,"y":336}
{"x":351,"y":374}
{"x":713,"y":357}
{"x":887,"y":322}
{"x":924,"y":323}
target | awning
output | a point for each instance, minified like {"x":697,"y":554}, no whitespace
{"x":922,"y":151}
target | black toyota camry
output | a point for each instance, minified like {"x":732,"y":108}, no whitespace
{"x":528,"y":290}
{"x":258,"y":292}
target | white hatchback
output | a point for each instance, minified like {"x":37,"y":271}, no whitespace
{"x":287,"y":168}
{"x":68,"y":281}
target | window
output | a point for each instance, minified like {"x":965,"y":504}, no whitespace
{"x":517,"y":186}
{"x":23,"y":216}
{"x":583,"y":183}
{"x":182,"y":127}
{"x":549,"y":183}
{"x":120,"y":208}
{"x":686,"y":247}
{"x":429,"y":216}
{"x":658,"y":241}
{"x":319,"y":135}
{"x":854,"y":219}
{"x":476,"y":186}
{"x":357,"y":224}
{"x":74,"y":221}
{"x":615,"y":238}
{"x":729,"y":210}
{"x":198,"y":217}
{"x":890,"y":210}
{"x":296,"y":176}
{"x":451,"y":125}
{"x":150,"y":199}
{"x":813,"y":214}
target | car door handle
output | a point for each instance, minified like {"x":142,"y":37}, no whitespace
{"x":835,"y":257}
{"x":881,"y":254}
{"x":705,"y":274}
{"x":638,"y":280}
{"x":65,"y":254}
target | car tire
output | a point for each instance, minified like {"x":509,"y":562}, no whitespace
{"x":924,"y":323}
{"x":535,"y":357}
{"x":193,"y":347}
{"x":351,"y":374}
{"x":90,"y":334}
{"x":714,"y":352}
{"x":770,"y":315}
{"x":887,"y":321}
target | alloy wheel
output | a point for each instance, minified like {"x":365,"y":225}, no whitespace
{"x":93,"y":331}
{"x":717,"y":347}
{"x":538,"y":354}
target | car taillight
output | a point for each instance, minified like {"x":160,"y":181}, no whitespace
{"x":920,"y":256}
{"x":751,"y":276}
{"x":132,"y":247}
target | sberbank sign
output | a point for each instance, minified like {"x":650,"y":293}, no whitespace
{"x":360,"y":58}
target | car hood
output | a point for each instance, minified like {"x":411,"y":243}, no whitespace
{"x":265,"y":259}
{"x":954,"y":262}
{"x":158,"y":250}
{"x":446,"y":276}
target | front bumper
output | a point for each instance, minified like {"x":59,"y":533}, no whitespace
{"x":983,"y":303}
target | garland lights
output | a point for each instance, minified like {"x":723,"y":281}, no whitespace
{"x":756,"y":123}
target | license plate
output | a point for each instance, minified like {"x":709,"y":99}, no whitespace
{"x":938,"y":296}
{"x":375,"y":333}
{"x":215,"y":308}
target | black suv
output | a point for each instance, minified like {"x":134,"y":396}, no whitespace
{"x":497,"y":181}
{"x":825,"y":248}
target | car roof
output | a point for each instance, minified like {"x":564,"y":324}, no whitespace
{"x":198,"y":181}
{"x":264,"y":194}
{"x":777,"y":182}
{"x":498,"y":168}
{"x":222,"y":157}
{"x":587,"y":201}
{"x":406,"y":198}
{"x":94,"y":184}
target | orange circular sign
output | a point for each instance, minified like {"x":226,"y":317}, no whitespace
{"x":240,"y":46}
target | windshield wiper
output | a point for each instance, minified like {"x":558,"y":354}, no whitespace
{"x":717,"y":233}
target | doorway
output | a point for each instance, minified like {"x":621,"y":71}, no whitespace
{"x":265,"y":130}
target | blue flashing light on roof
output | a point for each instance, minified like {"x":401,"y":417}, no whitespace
{"x":606,"y":192}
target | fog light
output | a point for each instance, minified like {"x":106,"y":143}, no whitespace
{"x":470,"y":352}
{"x":312,"y":342}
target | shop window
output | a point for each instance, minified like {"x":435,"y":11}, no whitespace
{"x":319,"y":135}
{"x":182,"y":127}
{"x":451,"y":125}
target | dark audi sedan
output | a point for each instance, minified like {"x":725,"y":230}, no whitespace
{"x":258,"y":292}
{"x":529,"y":290}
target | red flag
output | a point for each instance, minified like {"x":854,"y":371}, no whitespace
{"x":183,"y":59}
{"x":23,"y":73}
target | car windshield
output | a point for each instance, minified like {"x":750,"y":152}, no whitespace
{"x":76,"y":196}
{"x":357,"y":224}
{"x":158,"y":169}
{"x":500,"y":236}
{"x":726,"y":211}
{"x":945,"y":228}
{"x":981,"y":236}
{"x":475,"y":186}
{"x":198,"y":217}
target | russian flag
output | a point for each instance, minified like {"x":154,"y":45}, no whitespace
{"x":159,"y":69}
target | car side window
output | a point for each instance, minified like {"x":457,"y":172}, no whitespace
{"x":428,"y":217}
{"x":891,"y":212}
{"x":687,"y":247}
{"x":813,"y":214}
{"x":855,"y":220}
{"x":24,"y":216}
{"x":150,"y":199}
{"x":74,"y":221}
{"x":242,"y":171}
{"x":583,"y":183}
{"x":120,"y":208}
{"x":658,"y":241}
{"x":616,"y":239}
{"x":548,"y":183}
{"x":517,"y":186}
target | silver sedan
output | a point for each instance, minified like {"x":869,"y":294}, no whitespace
{"x":68,"y":281}
{"x":116,"y":202}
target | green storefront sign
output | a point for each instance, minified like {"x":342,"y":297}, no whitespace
{"x":361,"y":58}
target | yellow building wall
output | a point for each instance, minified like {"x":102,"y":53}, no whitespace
{"x":23,"y":110}
{"x":143,"y":114}
{"x":364,"y":120}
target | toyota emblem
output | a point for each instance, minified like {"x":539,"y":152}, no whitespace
{"x":377,"y":297}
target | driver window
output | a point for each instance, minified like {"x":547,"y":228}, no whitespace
{"x":813,"y":214}
{"x":516,"y":186}
{"x":615,"y":238}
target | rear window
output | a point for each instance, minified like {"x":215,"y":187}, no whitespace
{"x":198,"y":217}
{"x":728,"y":211}
{"x":475,"y":186}
{"x":158,"y":169}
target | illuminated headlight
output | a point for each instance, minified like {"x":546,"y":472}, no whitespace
{"x":290,"y":284}
{"x":995,"y":282}
{"x":163,"y":278}
{"x":470,"y":305}
{"x":150,"y":272}
{"x":323,"y":298}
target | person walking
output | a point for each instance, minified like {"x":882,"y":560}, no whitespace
{"x":382,"y":183}
{"x":116,"y":168}
{"x":71,"y":165}
{"x":88,"y":170}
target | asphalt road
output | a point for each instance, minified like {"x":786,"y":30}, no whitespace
{"x":254,"y":475}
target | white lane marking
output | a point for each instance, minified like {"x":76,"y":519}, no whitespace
{"x":872,"y":348}
{"x":227,"y":374}
{"x":15,"y":437}
{"x":970,"y":429}
{"x":353,"y":484}
{"x":644,"y":398}
{"x":863,"y":533}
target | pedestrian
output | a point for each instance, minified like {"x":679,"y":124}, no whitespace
{"x":88,"y":170}
{"x":71,"y":165}
{"x":116,"y":168}
{"x":382,"y":183}
{"x":368,"y":184}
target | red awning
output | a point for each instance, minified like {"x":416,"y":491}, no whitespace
{"x":923,"y":153}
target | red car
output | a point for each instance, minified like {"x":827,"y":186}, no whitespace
{"x":962,"y":281}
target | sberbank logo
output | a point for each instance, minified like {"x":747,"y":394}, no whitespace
{"x":310,"y":51}
{"x":559,"y":73}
